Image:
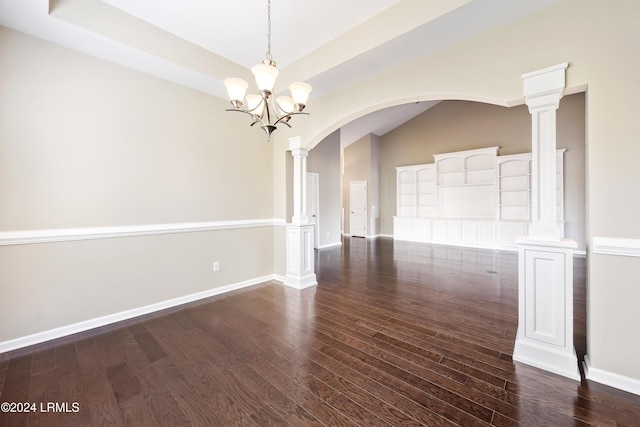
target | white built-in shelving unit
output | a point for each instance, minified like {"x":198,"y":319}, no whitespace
{"x":469,"y":198}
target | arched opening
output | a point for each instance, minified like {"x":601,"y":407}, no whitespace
{"x":450,"y":126}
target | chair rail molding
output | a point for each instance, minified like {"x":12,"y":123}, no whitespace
{"x":616,"y":246}
{"x":92,"y":233}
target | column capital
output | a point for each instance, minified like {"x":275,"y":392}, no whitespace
{"x":299,"y":152}
{"x":544,"y":88}
{"x":295,"y":145}
{"x":546,"y":102}
{"x":544,"y":81}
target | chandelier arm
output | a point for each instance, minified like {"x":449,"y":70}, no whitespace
{"x":256,"y":119}
{"x":287,"y":116}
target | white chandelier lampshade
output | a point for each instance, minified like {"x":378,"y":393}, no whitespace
{"x":254,"y":104}
{"x":236,"y":88}
{"x":264,"y":108}
{"x":300,"y":93}
{"x":286,"y":104}
{"x":265,"y":76}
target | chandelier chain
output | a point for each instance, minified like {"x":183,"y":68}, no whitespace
{"x":269,"y":57}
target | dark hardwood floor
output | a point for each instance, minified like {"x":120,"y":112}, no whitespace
{"x":395,"y":333}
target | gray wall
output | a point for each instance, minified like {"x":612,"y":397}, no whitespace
{"x":324,"y":160}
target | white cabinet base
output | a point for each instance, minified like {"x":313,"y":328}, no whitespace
{"x":545,"y":306}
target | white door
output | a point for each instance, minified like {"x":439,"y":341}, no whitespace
{"x":358,"y":208}
{"x":313,"y":208}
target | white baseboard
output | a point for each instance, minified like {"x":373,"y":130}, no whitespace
{"x":373,"y":236}
{"x":86,"y":325}
{"x":547,"y":358}
{"x":330,"y":245}
{"x":300,"y":283}
{"x":610,"y":379}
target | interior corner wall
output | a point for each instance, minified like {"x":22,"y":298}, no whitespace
{"x":324,"y":159}
{"x":463,"y":125}
{"x":85,"y":143}
{"x":360,"y":163}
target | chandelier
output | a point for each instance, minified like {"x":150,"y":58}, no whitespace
{"x":265,"y":108}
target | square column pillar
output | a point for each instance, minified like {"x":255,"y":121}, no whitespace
{"x":543,"y":90}
{"x":545,"y":259}
{"x":300,"y":155}
{"x":300,"y":257}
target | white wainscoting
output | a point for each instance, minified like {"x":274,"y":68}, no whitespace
{"x":92,"y":233}
{"x":97,"y":322}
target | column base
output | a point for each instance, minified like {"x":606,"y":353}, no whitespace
{"x":300,"y":282}
{"x":300,"y":256}
{"x":545,"y":306}
{"x":545,"y":357}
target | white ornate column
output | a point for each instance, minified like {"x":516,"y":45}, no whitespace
{"x":300,"y":234}
{"x":545,"y":258}
{"x":543,"y":90}
{"x":300,"y":155}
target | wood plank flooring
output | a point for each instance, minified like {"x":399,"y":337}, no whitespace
{"x":395,"y":334}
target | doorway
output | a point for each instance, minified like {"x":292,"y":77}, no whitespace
{"x":358,"y":208}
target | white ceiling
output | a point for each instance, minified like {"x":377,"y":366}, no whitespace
{"x":298,"y":26}
{"x":328,"y":43}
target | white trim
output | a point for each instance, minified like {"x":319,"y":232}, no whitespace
{"x":610,"y":379}
{"x":92,"y":233}
{"x":544,"y":357}
{"x":300,"y":283}
{"x":86,"y":325}
{"x":616,"y":246}
{"x":330,"y":245}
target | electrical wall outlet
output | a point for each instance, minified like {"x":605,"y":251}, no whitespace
{"x":216,"y":266}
